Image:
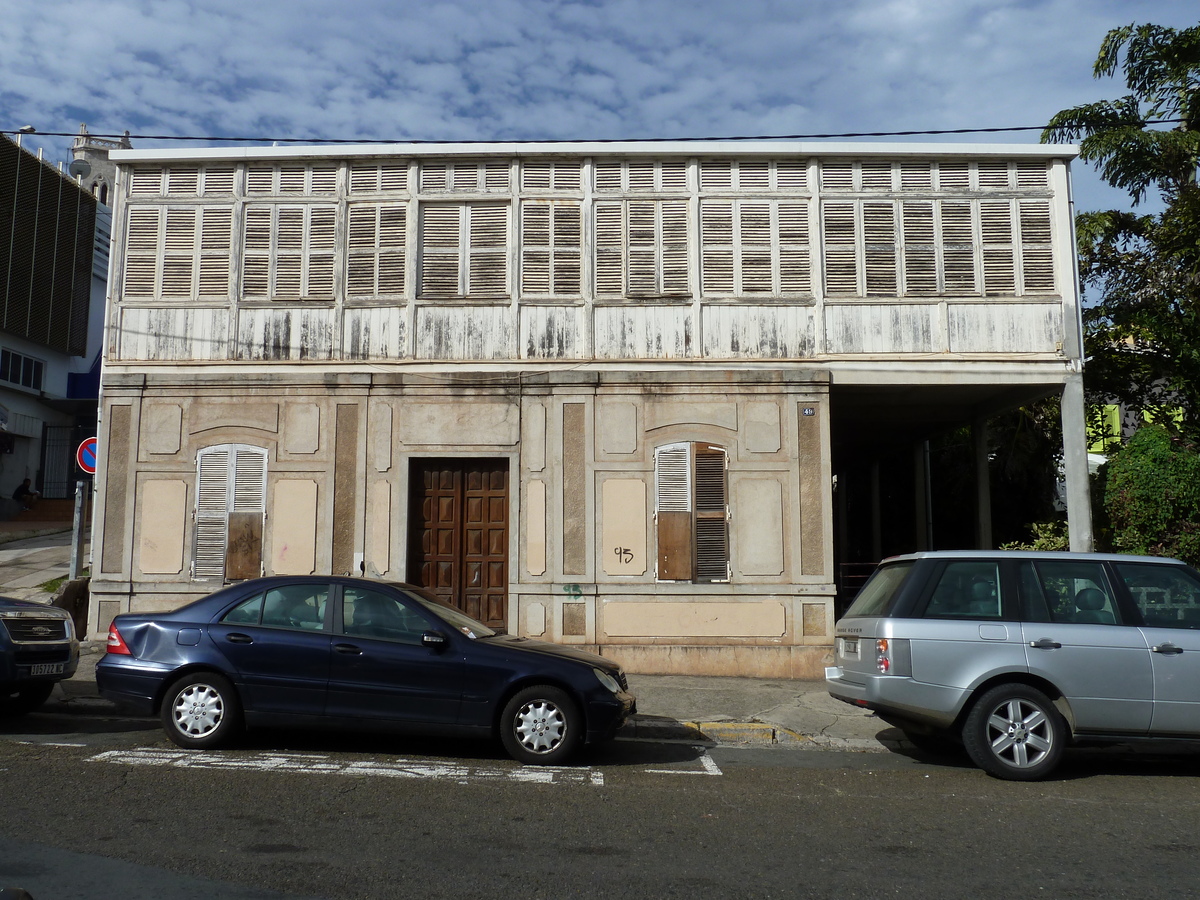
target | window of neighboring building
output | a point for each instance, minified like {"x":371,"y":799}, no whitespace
{"x":16,"y":368}
{"x":231,"y":492}
{"x":464,"y":250}
{"x":1104,"y":429}
{"x":690,"y":512}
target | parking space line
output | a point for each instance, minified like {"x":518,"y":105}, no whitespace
{"x":708,"y":767}
{"x":319,"y":764}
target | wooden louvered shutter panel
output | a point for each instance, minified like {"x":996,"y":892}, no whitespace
{"x":212,"y":513}
{"x":712,"y":538}
{"x":716,"y":229}
{"x":610,"y":249}
{"x":440,"y":250}
{"x":716,"y":175}
{"x":756,"y":246}
{"x":216,"y":244}
{"x":641,"y":175}
{"x":754,"y":175}
{"x":673,"y":176}
{"x":180,"y":252}
{"x":879,"y":235}
{"x":243,"y":554}
{"x":362,"y":241}
{"x":1037,"y":254}
{"x":568,"y":248}
{"x":256,"y":258}
{"x":488,"y":263}
{"x":393,"y":258}
{"x":795,"y":265}
{"x":673,"y":511}
{"x":999,"y":274}
{"x":322,"y":233}
{"x":643,"y":248}
{"x":535,"y":243}
{"x":837,"y":175}
{"x":841,"y":248}
{"x":958,"y":246}
{"x":674,"y":247}
{"x":920,"y":256}
{"x":218,"y":179}
{"x":289,"y":252}
{"x":876,"y":175}
{"x":141,"y":252}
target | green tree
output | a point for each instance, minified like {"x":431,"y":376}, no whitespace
{"x":1141,"y":273}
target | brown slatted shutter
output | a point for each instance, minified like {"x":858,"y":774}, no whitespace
{"x":712,"y":533}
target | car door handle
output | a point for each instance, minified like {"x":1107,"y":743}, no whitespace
{"x":239,"y":638}
{"x":1045,"y":644}
{"x":1167,"y":648}
{"x":349,"y":649}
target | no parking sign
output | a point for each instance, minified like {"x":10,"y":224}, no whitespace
{"x":85,"y":456}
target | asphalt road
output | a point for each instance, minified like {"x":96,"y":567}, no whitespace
{"x":106,"y":808}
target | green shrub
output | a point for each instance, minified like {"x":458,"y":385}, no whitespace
{"x":1153,"y":496}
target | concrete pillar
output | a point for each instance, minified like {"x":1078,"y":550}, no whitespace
{"x":983,"y":485}
{"x":1075,"y":465}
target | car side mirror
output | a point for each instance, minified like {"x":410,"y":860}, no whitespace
{"x":434,"y":640}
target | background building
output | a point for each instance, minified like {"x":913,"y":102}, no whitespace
{"x":596,"y":394}
{"x":54,"y":241}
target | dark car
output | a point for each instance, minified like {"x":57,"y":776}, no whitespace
{"x":358,"y":653}
{"x":38,"y":647}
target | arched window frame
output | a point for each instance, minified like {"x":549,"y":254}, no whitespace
{"x":231,"y":493}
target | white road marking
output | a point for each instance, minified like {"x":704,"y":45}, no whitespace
{"x":48,"y":744}
{"x":709,"y":768}
{"x":319,"y":764}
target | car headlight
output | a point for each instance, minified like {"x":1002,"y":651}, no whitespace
{"x":607,"y":680}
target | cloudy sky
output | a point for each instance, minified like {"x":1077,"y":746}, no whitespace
{"x":556,"y":69}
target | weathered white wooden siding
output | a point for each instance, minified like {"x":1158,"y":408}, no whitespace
{"x":758,"y":332}
{"x":501,"y":258}
{"x":171,"y":333}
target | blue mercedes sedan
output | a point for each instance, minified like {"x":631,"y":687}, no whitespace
{"x":358,"y":653}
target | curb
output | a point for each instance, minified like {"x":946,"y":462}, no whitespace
{"x":664,"y":728}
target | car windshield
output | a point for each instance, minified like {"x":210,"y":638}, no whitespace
{"x":877,"y":594}
{"x":472,"y":628}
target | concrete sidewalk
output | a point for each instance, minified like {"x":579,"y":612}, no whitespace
{"x":751,"y":711}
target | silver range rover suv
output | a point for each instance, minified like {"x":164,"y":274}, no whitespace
{"x":1018,"y":654}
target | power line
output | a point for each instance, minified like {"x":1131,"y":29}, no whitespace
{"x":740,"y":137}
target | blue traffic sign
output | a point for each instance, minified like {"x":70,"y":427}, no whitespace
{"x":85,"y":456}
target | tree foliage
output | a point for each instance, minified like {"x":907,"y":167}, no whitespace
{"x":1153,"y":496}
{"x":1141,"y":273}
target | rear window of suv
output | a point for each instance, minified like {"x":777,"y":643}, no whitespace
{"x":880,"y":591}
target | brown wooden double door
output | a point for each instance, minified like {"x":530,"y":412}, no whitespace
{"x":458,"y":534}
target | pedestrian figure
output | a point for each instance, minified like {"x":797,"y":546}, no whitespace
{"x":25,"y":495}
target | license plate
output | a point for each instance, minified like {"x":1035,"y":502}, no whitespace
{"x":46,"y":669}
{"x":850,"y":646}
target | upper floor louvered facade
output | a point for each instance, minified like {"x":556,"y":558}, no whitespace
{"x":582,"y":252}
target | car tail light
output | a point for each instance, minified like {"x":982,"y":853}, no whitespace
{"x":116,"y":644}
{"x":883,"y":658}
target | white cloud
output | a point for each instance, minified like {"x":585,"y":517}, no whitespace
{"x":552,"y":69}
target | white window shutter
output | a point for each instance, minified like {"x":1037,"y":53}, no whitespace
{"x":212,"y":506}
{"x":999,"y":271}
{"x":841,"y":247}
{"x":440,"y":240}
{"x":716,"y":229}
{"x":488,"y":259}
{"x":610,"y":248}
{"x":879,"y":235}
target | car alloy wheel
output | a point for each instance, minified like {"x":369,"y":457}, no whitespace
{"x":201,"y":711}
{"x":540,"y":725}
{"x":1014,"y":731}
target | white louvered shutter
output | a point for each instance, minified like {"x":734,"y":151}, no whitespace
{"x":376,"y":250}
{"x":141,"y":251}
{"x":488,"y":256}
{"x":1037,"y":249}
{"x":920,"y":253}
{"x":879,"y":235}
{"x":610,"y":249}
{"x":841,"y":247}
{"x":212,"y":508}
{"x":717,"y":235}
{"x":958,"y":246}
{"x":179,"y":252}
{"x":216,"y":251}
{"x":674,"y":247}
{"x":756,"y":244}
{"x":795,"y":264}
{"x":999,"y":272}
{"x":440,"y":236}
{"x":551,"y":237}
{"x":673,"y":511}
